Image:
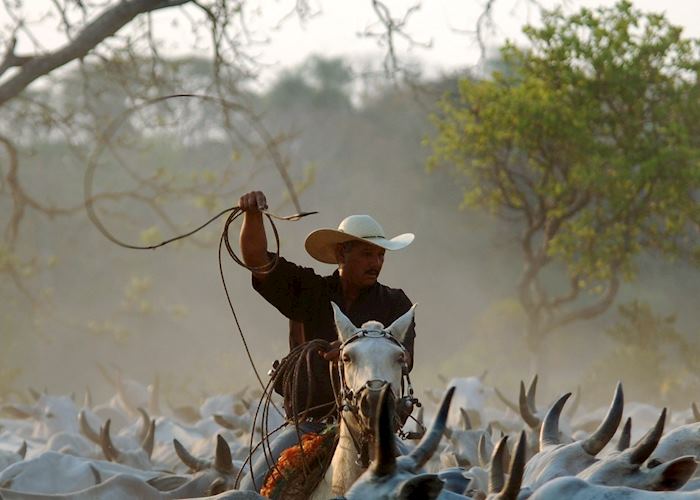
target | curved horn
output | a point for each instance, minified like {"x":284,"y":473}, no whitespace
{"x":384,"y":458}
{"x":123,"y":396}
{"x":145,"y":424}
{"x":466,"y":423}
{"x":525,"y":410}
{"x":696,"y":412}
{"x":625,"y":435}
{"x":517,"y":468}
{"x":87,"y":400}
{"x":17,"y":411}
{"x":223,"y":462}
{"x":643,"y":449}
{"x":606,"y":430}
{"x":103,"y":371}
{"x":506,"y":402}
{"x":532,"y":394}
{"x":483,"y":455}
{"x":22,"y":452}
{"x":110,"y":451}
{"x":193,"y":463}
{"x":496,"y":473}
{"x":549,"y":434}
{"x":427,"y":446}
{"x":36,"y":395}
{"x":96,"y":476}
{"x":224,"y":422}
{"x":85,"y":428}
{"x":154,"y":396}
{"x":147,"y":441}
{"x":401,"y":325}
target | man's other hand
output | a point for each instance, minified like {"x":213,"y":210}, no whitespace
{"x":333,"y":353}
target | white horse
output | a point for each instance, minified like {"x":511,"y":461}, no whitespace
{"x":371,"y":357}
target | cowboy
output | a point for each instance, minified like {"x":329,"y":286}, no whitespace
{"x":357,"y":247}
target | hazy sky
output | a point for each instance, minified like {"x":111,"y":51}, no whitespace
{"x":334,"y":29}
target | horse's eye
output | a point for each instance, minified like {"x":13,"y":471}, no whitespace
{"x":346,"y":358}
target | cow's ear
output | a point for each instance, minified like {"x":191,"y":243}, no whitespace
{"x":344,"y":326}
{"x":675,"y":473}
{"x":420,"y":487}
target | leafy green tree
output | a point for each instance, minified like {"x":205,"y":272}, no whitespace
{"x":590,"y":144}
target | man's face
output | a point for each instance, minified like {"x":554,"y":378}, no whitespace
{"x":361,"y":263}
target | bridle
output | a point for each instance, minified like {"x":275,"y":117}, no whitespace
{"x":348,"y":401}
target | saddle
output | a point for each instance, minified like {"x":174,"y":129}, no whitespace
{"x":297,"y":473}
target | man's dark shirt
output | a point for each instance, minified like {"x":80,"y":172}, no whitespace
{"x":305,"y":297}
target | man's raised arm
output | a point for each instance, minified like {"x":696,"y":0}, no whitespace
{"x":252,"y":240}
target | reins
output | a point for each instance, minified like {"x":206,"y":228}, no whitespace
{"x":348,"y":401}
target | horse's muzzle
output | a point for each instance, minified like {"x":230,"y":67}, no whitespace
{"x":368,"y":398}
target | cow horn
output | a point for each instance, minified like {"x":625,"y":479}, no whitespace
{"x":427,"y":446}
{"x":223,"y":462}
{"x":110,"y":451}
{"x":18,"y":411}
{"x":36,"y":395}
{"x":87,"y":400}
{"x":517,"y":467}
{"x":384,"y":455}
{"x":145,"y":424}
{"x":532,"y":394}
{"x":483,"y":455}
{"x":193,"y":463}
{"x":496,"y":473}
{"x":123,"y":396}
{"x":525,"y":410}
{"x":505,"y":401}
{"x":643,"y":449}
{"x":696,"y":412}
{"x":606,"y":430}
{"x":96,"y":474}
{"x":549,"y":434}
{"x":625,"y":435}
{"x":466,"y":423}
{"x":224,"y":422}
{"x":85,"y":428}
{"x":154,"y":396}
{"x":147,"y":441}
{"x":22,"y":452}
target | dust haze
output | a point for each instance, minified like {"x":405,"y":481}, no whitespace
{"x":165,"y":313}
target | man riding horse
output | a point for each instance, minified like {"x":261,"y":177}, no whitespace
{"x":357,"y":247}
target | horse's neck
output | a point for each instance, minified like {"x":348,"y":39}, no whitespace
{"x":343,"y":470}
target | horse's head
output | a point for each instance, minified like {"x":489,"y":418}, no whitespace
{"x":371,"y":357}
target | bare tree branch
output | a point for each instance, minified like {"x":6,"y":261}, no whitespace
{"x":104,"y":26}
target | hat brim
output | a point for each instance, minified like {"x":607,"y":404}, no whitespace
{"x":321,"y":243}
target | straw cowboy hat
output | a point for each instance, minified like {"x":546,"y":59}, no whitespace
{"x":321,"y":243}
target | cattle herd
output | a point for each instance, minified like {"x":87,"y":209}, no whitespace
{"x":480,"y":444}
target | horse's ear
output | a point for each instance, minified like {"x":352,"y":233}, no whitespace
{"x":399,"y":327}
{"x":344,"y":326}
